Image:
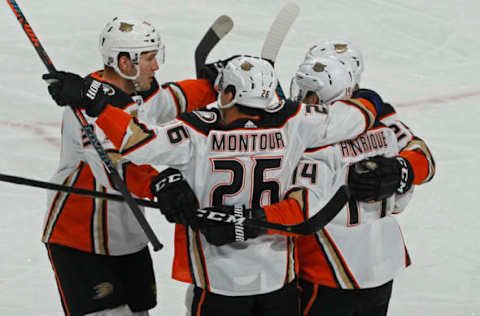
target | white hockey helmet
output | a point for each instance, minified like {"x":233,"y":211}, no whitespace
{"x":343,"y":50}
{"x":130,"y":36}
{"x":254,"y":81}
{"x":329,"y":77}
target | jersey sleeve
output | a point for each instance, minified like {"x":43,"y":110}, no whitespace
{"x":168,"y":144}
{"x":174,"y":98}
{"x":138,"y":178}
{"x":412,"y":147}
{"x":345,"y":119}
{"x":196,"y":93}
{"x":72,"y":132}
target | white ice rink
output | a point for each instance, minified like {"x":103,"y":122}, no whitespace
{"x":422,"y":55}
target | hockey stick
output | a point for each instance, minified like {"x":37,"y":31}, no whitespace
{"x":72,"y":190}
{"x":220,"y":27}
{"x":88,"y":130}
{"x":277,"y":34}
{"x":316,"y":222}
{"x":310,"y":226}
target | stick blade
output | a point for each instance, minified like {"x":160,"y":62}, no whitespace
{"x":222,"y":26}
{"x":219,"y":29}
{"x":279,"y":29}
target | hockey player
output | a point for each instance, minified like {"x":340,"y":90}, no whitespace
{"x":98,"y":251}
{"x":348,"y":267}
{"x":243,"y":153}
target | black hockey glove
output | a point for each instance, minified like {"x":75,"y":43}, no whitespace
{"x":175,"y":198}
{"x":210,"y":71}
{"x":371,"y":96}
{"x":377,"y":178}
{"x":220,"y":224}
{"x":67,"y":88}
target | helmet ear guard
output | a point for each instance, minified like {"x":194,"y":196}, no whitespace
{"x":132,"y":37}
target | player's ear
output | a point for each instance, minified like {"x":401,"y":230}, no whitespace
{"x":311,"y":98}
{"x":226,"y":97}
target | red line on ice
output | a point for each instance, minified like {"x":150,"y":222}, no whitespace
{"x":441,"y":99}
{"x":37,"y":130}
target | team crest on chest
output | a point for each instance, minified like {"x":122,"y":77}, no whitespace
{"x":207,"y":117}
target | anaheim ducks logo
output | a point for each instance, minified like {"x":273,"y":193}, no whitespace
{"x":207,"y":117}
{"x":246,"y":66}
{"x":125,"y":27}
{"x":319,"y":67}
{"x":107,"y":89}
{"x":340,"y":48}
{"x":102,"y":290}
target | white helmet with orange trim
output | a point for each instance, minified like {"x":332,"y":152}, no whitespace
{"x":329,"y":77}
{"x":131,"y":36}
{"x":343,"y":50}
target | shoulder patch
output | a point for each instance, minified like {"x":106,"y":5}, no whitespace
{"x":108,"y":89}
{"x":208,"y":117}
{"x":272,"y":108}
{"x":116,"y":97}
{"x":201,"y":120}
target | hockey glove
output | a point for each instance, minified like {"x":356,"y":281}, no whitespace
{"x":378,"y":178}
{"x":221,"y":225}
{"x":67,"y":88}
{"x":210,"y":71}
{"x":371,"y":96}
{"x":175,"y":198}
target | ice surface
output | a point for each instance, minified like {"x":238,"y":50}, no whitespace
{"x":422,"y":55}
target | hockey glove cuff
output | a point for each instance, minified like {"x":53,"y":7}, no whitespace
{"x":175,"y":197}
{"x":224,"y":224}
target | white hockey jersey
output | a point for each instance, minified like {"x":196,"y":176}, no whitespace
{"x":362,"y":246}
{"x":249,"y":162}
{"x":96,"y":225}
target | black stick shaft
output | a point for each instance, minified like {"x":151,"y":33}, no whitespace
{"x":72,"y":190}
{"x":114,"y":175}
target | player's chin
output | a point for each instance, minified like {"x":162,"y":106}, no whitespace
{"x":146,"y":84}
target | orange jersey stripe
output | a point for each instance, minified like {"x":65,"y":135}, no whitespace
{"x":138,"y":179}
{"x":181,"y":264}
{"x":314,"y":266}
{"x":286,"y":212}
{"x":115,"y":122}
{"x":73,"y":225}
{"x":419,"y":162}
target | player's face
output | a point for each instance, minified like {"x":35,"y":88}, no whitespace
{"x":311,"y":98}
{"x":148,"y":66}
